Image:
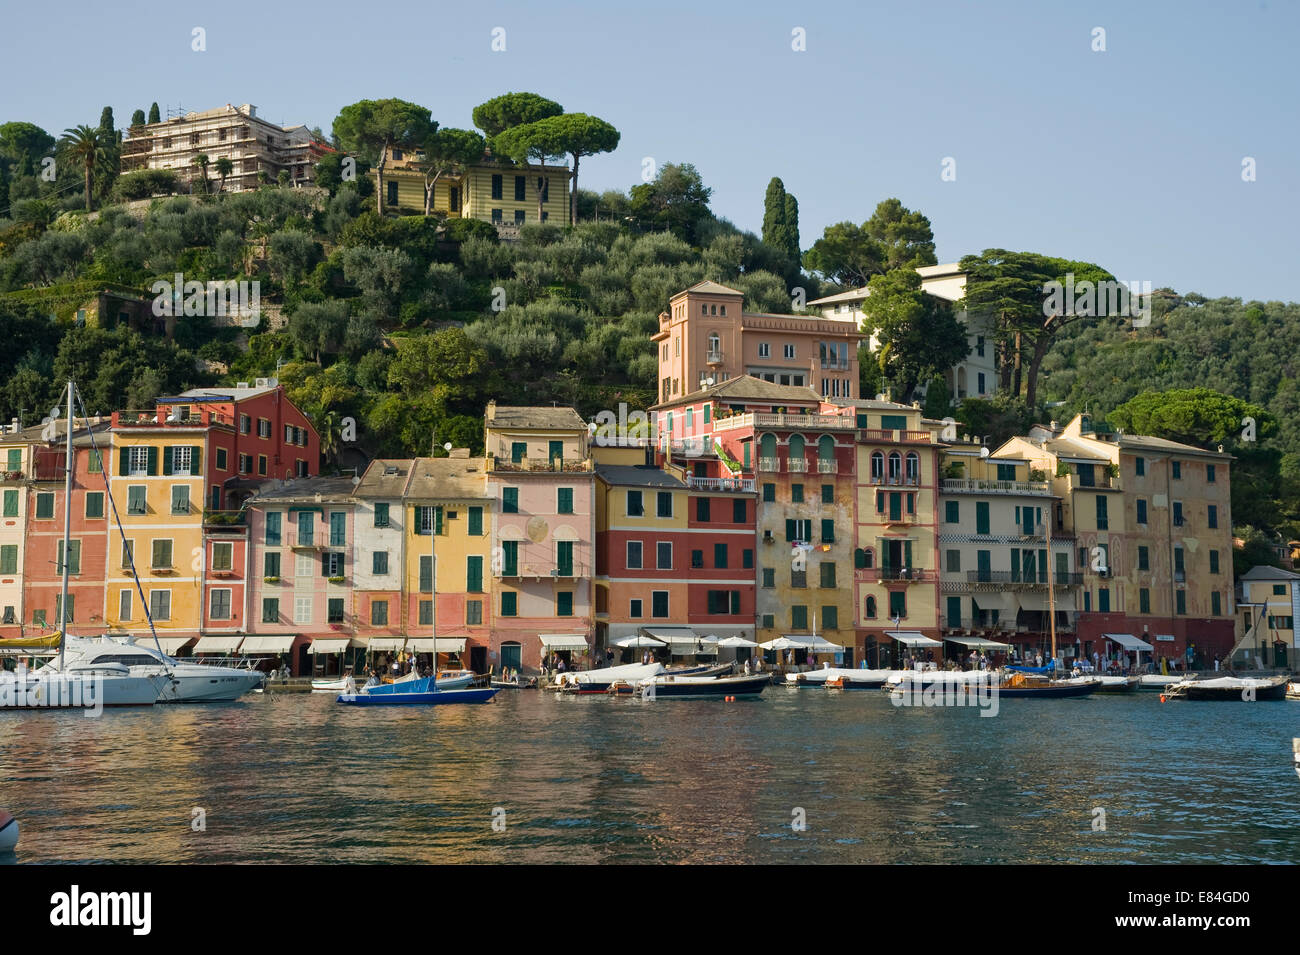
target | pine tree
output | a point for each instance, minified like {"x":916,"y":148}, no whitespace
{"x":154,"y":116}
{"x":137,"y":118}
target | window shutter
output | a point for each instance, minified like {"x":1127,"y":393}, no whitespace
{"x":167,"y":459}
{"x":789,"y":529}
{"x":437,"y":520}
{"x":122,"y":462}
{"x":735,"y":601}
{"x":153,"y":461}
{"x":907,"y":553}
{"x":194,"y":459}
{"x":325,"y":565}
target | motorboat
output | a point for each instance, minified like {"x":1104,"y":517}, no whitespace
{"x":697,"y":687}
{"x":1230,"y":688}
{"x":428,"y":697}
{"x":844,"y":678}
{"x":83,"y":686}
{"x":188,"y":683}
{"x":599,"y":681}
{"x":1002,"y":684}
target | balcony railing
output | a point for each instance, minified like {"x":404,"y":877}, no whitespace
{"x":903,"y":518}
{"x":769,"y":464}
{"x":978,"y":485}
{"x":797,"y":465}
{"x":720,"y":484}
{"x":827,"y":467}
{"x":166,"y":416}
{"x":539,"y":464}
{"x":835,"y":364}
{"x":895,"y":436}
{"x":911,"y":574}
{"x":539,"y":572}
{"x":895,"y":480}
{"x":786,"y":422}
{"x":713,"y":358}
{"x":1011,"y":578}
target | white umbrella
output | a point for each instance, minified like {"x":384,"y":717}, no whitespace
{"x":736,"y":642}
{"x":782,"y":643}
{"x":638,"y":640}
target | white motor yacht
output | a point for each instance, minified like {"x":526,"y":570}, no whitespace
{"x":189,"y":682}
{"x":78,"y":686}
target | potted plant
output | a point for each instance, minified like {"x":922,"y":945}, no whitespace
{"x":271,"y":580}
{"x":336,"y":580}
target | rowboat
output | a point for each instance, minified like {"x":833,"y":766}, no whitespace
{"x":436,"y":697}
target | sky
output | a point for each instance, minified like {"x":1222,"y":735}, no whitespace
{"x":1130,"y":157}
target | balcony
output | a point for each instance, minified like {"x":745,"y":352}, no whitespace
{"x":895,"y":436}
{"x":12,"y":477}
{"x":835,"y":364}
{"x":538,"y":572}
{"x":786,"y":422}
{"x":720,"y":484}
{"x":713,"y":358}
{"x":827,"y":467}
{"x":871,"y":575}
{"x":769,"y":464}
{"x":312,"y":544}
{"x":223,"y":518}
{"x":895,"y":480}
{"x":797,"y":465}
{"x":555,"y":465}
{"x":1007,"y":578}
{"x":166,"y":416}
{"x":903,"y":518}
{"x":979,"y":486}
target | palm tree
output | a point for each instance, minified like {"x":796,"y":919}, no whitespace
{"x":82,"y":145}
{"x":224,"y":167}
{"x":201,"y":160}
{"x":329,"y":436}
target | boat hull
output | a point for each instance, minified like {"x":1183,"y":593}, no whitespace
{"x":843,"y":678}
{"x":434,"y":698}
{"x":56,"y":691}
{"x":8,"y":832}
{"x":1234,"y":694}
{"x":703,"y":687}
{"x":203,"y":684}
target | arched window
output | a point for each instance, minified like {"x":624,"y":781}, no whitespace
{"x":826,"y":448}
{"x":714,"y":342}
{"x":913,"y":468}
{"x":895,"y":467}
{"x":877,"y":467}
{"x":871,"y":608}
{"x":796,"y":446}
{"x":767,"y":446}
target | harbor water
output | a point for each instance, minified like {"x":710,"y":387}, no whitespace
{"x":797,"y":776}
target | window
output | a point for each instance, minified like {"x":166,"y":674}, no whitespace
{"x":497,"y":217}
{"x":769,"y":493}
{"x":1214,"y":561}
{"x":665,"y":504}
{"x":953,"y":562}
{"x":302,"y":609}
{"x":952,"y":512}
{"x":223,"y":556}
{"x":1212,"y":516}
{"x":124,"y":608}
{"x":659,"y":603}
{"x":180,"y":499}
{"x":720,"y":556}
{"x":509,"y":604}
{"x":271,"y":565}
{"x":1103,"y":521}
{"x":510,"y":500}
{"x":702,"y":509}
{"x":634,"y":555}
{"x":1144,"y":600}
{"x":474,"y":612}
{"x":306,"y":529}
{"x":392,"y":192}
{"x":520,"y":188}
{"x":828,"y":494}
{"x":564,"y":603}
{"x":954,"y":612}
{"x":426,"y":522}
{"x":635,"y":507}
{"x":564,"y":558}
{"x":162,"y":554}
{"x":798,"y":617}
{"x":664,"y":555}
{"x":426,"y":574}
{"x":264,"y":428}
{"x":160,"y":604}
{"x":261,"y":464}
{"x":8,"y":559}
{"x":381,"y":515}
{"x":1281,"y":623}
{"x":634,"y":608}
{"x":828,"y":532}
{"x":379,"y":613}
{"x":788,"y":351}
{"x":1144,"y":557}
{"x":981,"y":517}
{"x":273,"y":528}
{"x":245,"y":464}
{"x":245,"y":424}
{"x":520,"y":216}
{"x":1178,"y":513}
{"x":1180,"y":602}
{"x":510,"y":558}
{"x":138,"y":460}
{"x":219,"y":605}
{"x":1140,"y":466}
{"x":564,"y":500}
{"x":897,"y":604}
{"x":1216,"y":604}
{"x":764,"y":350}
{"x":334,"y":610}
{"x":498,"y":191}
{"x":45,"y":507}
{"x":1209,"y":474}
{"x":94,"y":462}
{"x":798,"y":530}
{"x":379,"y":562}
{"x":1141,"y":511}
{"x":1103,"y":600}
{"x":11,"y":503}
{"x":828,"y":574}
{"x":177,"y":460}
{"x":94,"y":504}
{"x":769,"y":577}
{"x":1178,"y":470}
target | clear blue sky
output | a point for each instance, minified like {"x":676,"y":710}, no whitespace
{"x":1130,"y":158}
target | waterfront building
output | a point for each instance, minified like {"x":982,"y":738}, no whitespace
{"x":302,"y":540}
{"x":506,"y":194}
{"x":706,"y":338}
{"x":448,"y":556}
{"x":16,"y":452}
{"x":379,"y":559}
{"x":541,"y":480}
{"x":993,"y":551}
{"x":1153,"y":524}
{"x":1268,"y":604}
{"x":976,"y":376}
{"x":254,"y":146}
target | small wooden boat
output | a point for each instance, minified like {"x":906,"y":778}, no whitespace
{"x":8,"y":832}
{"x":529,"y":684}
{"x":1229,"y":689}
{"x":1293,"y":690}
{"x":437,"y":697}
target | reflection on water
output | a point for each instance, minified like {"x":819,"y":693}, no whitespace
{"x":300,"y":779}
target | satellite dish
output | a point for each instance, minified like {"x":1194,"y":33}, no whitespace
{"x":447,"y":446}
{"x":356,"y":480}
{"x":984,"y":452}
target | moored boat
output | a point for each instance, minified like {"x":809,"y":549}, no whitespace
{"x":599,"y":681}
{"x":1107,"y":684}
{"x":846,"y":677}
{"x":698,"y":687}
{"x":8,"y":832}
{"x":435,"y":697}
{"x":188,"y":682}
{"x":1157,"y":681}
{"x":1229,"y":689}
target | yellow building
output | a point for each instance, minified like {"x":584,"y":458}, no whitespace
{"x":502,"y":193}
{"x":448,"y":556}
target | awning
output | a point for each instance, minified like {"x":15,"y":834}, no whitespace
{"x":329,"y":645}
{"x":1065,"y":602}
{"x":978,"y":643}
{"x":169,"y":644}
{"x":439,"y":645}
{"x":1128,"y":641}
{"x":809,"y":642}
{"x":563,"y":641}
{"x":673,"y":636}
{"x":736,"y":642}
{"x":912,"y":638}
{"x":1004,"y":604}
{"x":217,"y":644}
{"x":1036,"y":603}
{"x":277,"y":644}
{"x":639,"y":640}
{"x":386,"y":644}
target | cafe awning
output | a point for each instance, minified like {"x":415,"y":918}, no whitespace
{"x":1128,"y":641}
{"x":978,"y":643}
{"x":1036,"y":603}
{"x":385,"y":644}
{"x":1004,"y":604}
{"x":439,"y":644}
{"x":810,"y":642}
{"x":563,"y":641}
{"x":329,"y":645}
{"x":736,"y":642}
{"x":276,"y":644}
{"x":912,"y":638}
{"x":217,"y":644}
{"x":674,"y":636}
{"x":639,"y":640}
{"x":169,"y":644}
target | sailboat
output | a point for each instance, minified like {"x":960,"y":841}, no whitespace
{"x":437,"y":689}
{"x":76,"y":683}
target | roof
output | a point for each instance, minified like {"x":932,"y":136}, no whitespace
{"x":751,"y":388}
{"x":852,"y":295}
{"x":35,"y":434}
{"x":708,"y":287}
{"x":335,"y":490}
{"x":1265,"y":572}
{"x":638,"y":475}
{"x":448,"y":478}
{"x":506,"y":417}
{"x":1142,"y":442}
{"x":385,"y":477}
{"x":222,"y":393}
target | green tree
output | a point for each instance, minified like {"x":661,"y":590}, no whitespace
{"x":111,"y":140}
{"x":894,"y":237}
{"x":201,"y":160}
{"x":82,"y":145}
{"x":370,"y":128}
{"x":1196,"y":416}
{"x":572,"y":134}
{"x":918,"y":334}
{"x":154,"y":115}
{"x":447,"y":152}
{"x":25,"y":144}
{"x":137,"y":118}
{"x":224,"y":168}
{"x":677,"y":200}
{"x":513,"y":109}
{"x":781,"y":220}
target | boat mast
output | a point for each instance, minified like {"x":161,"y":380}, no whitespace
{"x":67,"y":530}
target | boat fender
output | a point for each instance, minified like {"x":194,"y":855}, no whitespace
{"x":1162,"y":698}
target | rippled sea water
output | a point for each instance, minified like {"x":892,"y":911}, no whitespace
{"x":299,"y":778}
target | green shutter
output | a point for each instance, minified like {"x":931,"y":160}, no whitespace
{"x":735,"y":601}
{"x":325,"y":565}
{"x":476,"y":521}
{"x":789,"y":529}
{"x":437,"y":520}
{"x":474,"y":574}
{"x":194,"y":459}
{"x":167,"y":459}
{"x":122,"y":462}
{"x":153,"y":461}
